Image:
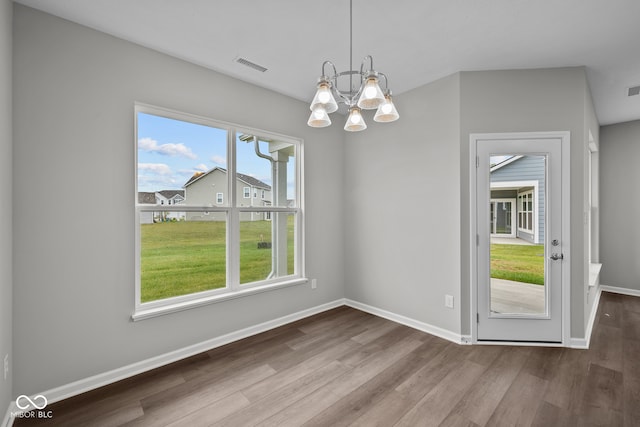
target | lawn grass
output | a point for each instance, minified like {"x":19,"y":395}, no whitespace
{"x":520,"y":263}
{"x":184,"y":257}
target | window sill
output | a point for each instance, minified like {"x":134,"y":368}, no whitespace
{"x":594,"y":273}
{"x":148,"y":313}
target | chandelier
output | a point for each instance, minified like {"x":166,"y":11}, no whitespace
{"x":367,"y":95}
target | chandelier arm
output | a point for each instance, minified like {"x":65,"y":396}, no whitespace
{"x":370,"y":69}
{"x":335,"y":72}
{"x":386,"y":82}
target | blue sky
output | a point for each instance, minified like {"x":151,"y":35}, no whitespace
{"x":171,"y":151}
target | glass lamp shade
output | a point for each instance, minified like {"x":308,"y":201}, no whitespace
{"x":355,"y":122}
{"x":324,"y":98}
{"x":319,"y":118}
{"x":371,"y":96}
{"x":386,"y":111}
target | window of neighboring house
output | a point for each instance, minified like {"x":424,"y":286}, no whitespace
{"x":191,"y":261}
{"x":525,"y":211}
{"x":262,"y":195}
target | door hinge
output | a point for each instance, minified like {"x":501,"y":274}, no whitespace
{"x":477,"y":317}
{"x":477,"y":240}
{"x":477,"y":161}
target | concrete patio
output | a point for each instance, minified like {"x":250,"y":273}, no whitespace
{"x":515,"y":297}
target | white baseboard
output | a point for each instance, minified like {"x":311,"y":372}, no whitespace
{"x":100,"y":380}
{"x":416,"y":324}
{"x":583,"y":343}
{"x":623,"y":291}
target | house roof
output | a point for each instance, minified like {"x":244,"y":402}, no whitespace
{"x":146,"y":198}
{"x":169,"y":194}
{"x":254,"y":182}
{"x":505,"y":163}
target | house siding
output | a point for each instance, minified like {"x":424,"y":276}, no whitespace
{"x":203,"y":191}
{"x":528,"y":168}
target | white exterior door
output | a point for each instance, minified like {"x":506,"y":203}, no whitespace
{"x":519,"y":285}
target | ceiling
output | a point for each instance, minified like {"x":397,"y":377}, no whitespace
{"x":413,"y":42}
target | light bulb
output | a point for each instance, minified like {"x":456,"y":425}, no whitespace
{"x":370,"y":92}
{"x":372,"y":95}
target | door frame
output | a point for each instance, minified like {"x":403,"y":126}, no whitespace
{"x":565,"y":140}
{"x":514,"y":217}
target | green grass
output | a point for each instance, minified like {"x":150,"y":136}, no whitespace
{"x":180,"y":258}
{"x":519,"y":263}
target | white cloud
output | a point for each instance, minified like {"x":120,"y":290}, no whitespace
{"x":155,"y":168}
{"x":219,"y":160}
{"x":173,"y":150}
{"x":201,"y":167}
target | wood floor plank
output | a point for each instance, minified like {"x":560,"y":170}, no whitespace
{"x":171,"y":407}
{"x":352,"y":406}
{"x":273,"y":403}
{"x":484,"y":396}
{"x":306,"y":408}
{"x":550,"y":415}
{"x":606,"y":347}
{"x":566,"y":388}
{"x":520,"y":403}
{"x":631,"y":383}
{"x":433,"y":408}
{"x":307,"y":366}
{"x":214,"y":412}
{"x":603,"y":397}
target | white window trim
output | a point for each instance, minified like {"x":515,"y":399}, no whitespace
{"x":520,"y":184}
{"x":246,"y":192}
{"x":220,"y":198}
{"x":534,"y":206}
{"x":514,"y":216}
{"x":233,"y":289}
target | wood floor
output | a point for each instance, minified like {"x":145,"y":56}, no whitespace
{"x":345,"y":367}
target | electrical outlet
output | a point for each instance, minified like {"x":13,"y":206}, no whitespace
{"x":448,"y":301}
{"x":314,"y":283}
{"x":6,"y":366}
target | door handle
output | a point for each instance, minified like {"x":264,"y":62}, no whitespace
{"x":556,"y":257}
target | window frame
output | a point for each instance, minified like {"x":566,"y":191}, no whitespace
{"x":233,"y":209}
{"x":524,"y":200}
{"x":220,"y":198}
{"x":246,"y":192}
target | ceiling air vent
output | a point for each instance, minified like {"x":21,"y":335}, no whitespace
{"x":633,"y":91}
{"x":250,"y":64}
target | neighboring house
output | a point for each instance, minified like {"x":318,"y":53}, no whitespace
{"x":211,"y":189}
{"x":518,"y":197}
{"x":169,"y":197}
{"x":164,"y":197}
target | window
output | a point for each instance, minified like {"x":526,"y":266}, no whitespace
{"x":200,"y":251}
{"x":525,"y":211}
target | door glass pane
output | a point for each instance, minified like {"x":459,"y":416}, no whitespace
{"x":517,"y":256}
{"x":503,"y":218}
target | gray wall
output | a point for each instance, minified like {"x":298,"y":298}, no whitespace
{"x":6,"y":188}
{"x":529,"y":101}
{"x":620,"y":205}
{"x":402,"y":218}
{"x":74,"y":266}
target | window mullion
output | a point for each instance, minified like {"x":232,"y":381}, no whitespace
{"x":233,"y":217}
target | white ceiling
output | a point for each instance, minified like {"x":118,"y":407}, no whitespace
{"x":413,"y":42}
